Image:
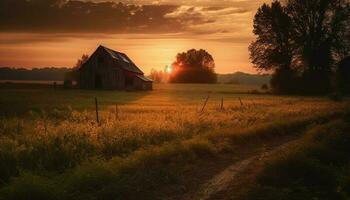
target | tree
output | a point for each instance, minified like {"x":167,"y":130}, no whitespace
{"x":73,"y":74}
{"x":272,"y":50}
{"x":158,"y":76}
{"x":343,"y":76}
{"x":81,"y":61}
{"x":193,"y":66}
{"x":300,"y":41}
{"x":312,"y":36}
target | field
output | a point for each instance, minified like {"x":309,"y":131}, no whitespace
{"x":147,"y":145}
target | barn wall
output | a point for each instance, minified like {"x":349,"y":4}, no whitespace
{"x":140,"y":84}
{"x":148,"y":85}
{"x":101,"y":64}
{"x":109,"y":73}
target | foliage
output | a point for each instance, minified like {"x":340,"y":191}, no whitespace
{"x":73,"y":74}
{"x":343,"y":76}
{"x":158,"y":76}
{"x":55,"y":74}
{"x":193,"y":66}
{"x":81,"y":61}
{"x":300,"y":41}
{"x":272,"y":48}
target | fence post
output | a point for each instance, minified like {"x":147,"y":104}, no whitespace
{"x":240,"y":100}
{"x":222,"y":104}
{"x":116,"y":112}
{"x":96,"y":108}
{"x":205,"y":103}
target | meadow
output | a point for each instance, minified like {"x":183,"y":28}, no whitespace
{"x":146,"y":145}
{"x":316,"y":168}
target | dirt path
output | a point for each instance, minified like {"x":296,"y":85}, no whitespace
{"x":224,"y":179}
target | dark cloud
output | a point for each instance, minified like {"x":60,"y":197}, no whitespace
{"x":108,"y":17}
{"x":78,"y":16}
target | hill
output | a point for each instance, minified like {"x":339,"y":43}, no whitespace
{"x":244,"y":78}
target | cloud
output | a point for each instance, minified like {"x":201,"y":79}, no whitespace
{"x":209,"y":20}
{"x":130,"y":16}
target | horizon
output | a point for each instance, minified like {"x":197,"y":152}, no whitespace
{"x":223,"y":28}
{"x":258,"y":73}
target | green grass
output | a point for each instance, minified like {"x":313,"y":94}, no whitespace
{"x":52,"y":148}
{"x":318,"y":169}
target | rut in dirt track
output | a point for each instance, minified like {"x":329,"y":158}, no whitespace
{"x":222,"y":181}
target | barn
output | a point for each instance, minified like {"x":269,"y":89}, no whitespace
{"x":112,"y":70}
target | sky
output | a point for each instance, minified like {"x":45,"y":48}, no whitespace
{"x":55,"y":33}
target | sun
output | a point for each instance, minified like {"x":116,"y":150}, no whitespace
{"x":169,"y":69}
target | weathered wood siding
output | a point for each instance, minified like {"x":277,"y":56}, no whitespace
{"x":142,"y":85}
{"x":102,"y":66}
{"x":104,"y":71}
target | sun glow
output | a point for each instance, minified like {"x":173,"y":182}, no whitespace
{"x":169,"y":69}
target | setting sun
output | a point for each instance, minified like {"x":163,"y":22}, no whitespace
{"x":174,"y":99}
{"x":169,"y":69}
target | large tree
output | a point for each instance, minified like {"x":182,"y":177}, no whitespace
{"x":193,"y":66}
{"x":272,"y":49}
{"x":315,"y":34}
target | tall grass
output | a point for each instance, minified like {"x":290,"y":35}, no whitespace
{"x":318,"y":169}
{"x":61,"y":149}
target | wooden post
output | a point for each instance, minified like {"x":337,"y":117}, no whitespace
{"x":205,"y":103}
{"x":222,"y":104}
{"x":240,"y":100}
{"x":96,"y":108}
{"x":116,"y":112}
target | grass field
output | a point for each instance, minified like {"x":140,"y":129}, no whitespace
{"x":318,"y":168}
{"x":51,"y":146}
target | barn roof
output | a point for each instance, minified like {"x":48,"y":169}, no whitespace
{"x":144,"y":78}
{"x":127,"y":63}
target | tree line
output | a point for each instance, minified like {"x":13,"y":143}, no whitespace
{"x":54,"y":74}
{"x":305,"y":43}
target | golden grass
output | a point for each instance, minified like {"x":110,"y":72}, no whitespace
{"x":152,"y":130}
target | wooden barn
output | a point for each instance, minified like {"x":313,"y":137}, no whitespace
{"x":113,"y":70}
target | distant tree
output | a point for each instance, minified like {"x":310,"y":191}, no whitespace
{"x":81,"y":61}
{"x":54,"y":74}
{"x":158,"y":76}
{"x":73,"y":74}
{"x":193,"y":66}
